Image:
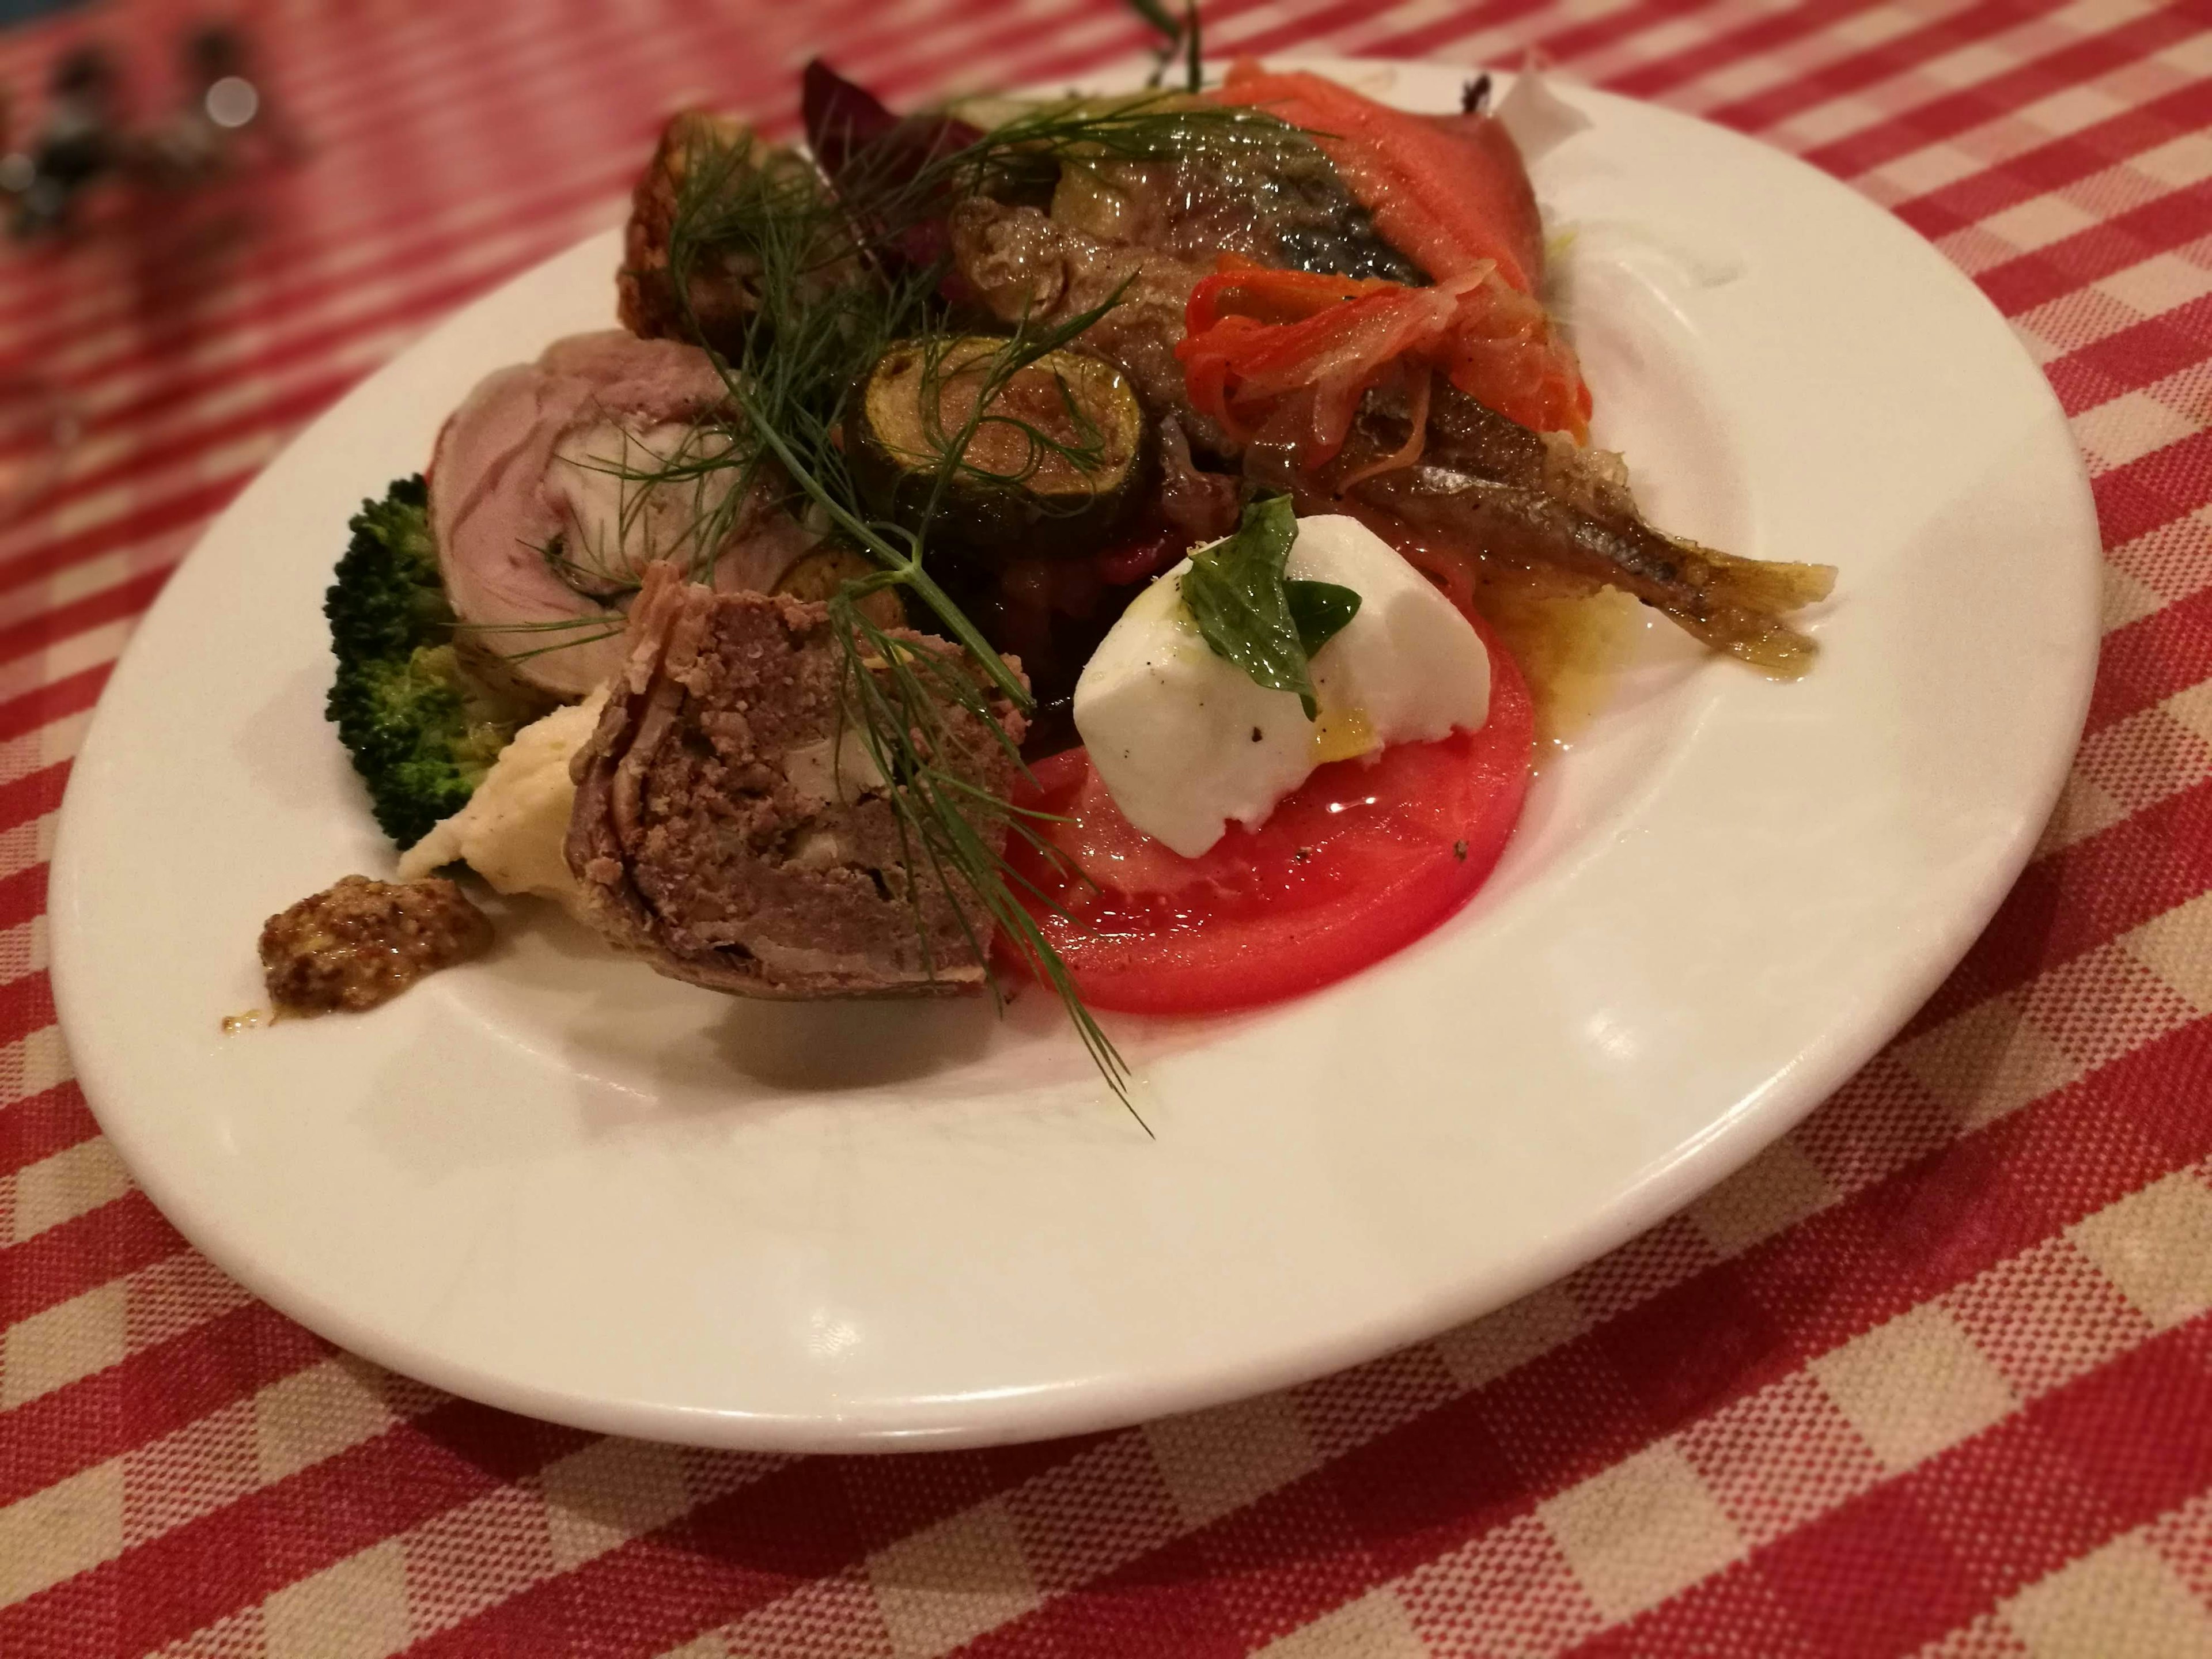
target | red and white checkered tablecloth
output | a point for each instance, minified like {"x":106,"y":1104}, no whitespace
{"x":1933,"y":1376}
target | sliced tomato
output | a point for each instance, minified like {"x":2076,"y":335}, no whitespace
{"x":1450,"y":194}
{"x":1363,"y":859}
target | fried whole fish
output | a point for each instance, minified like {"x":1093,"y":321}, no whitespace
{"x":1487,"y":495}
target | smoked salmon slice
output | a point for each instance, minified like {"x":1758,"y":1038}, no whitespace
{"x":1449,"y":194}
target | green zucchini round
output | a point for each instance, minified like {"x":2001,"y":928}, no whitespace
{"x":1055,"y":460}
{"x":819,"y":572}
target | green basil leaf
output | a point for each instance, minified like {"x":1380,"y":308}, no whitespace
{"x":1321,"y":611}
{"x":1245,"y":611}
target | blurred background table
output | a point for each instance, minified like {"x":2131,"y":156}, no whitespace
{"x":1933,"y":1375}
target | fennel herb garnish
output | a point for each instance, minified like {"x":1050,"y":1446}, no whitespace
{"x":1248,"y":613}
{"x":1027,"y":151}
{"x":1180,"y":39}
{"x":824,"y":308}
{"x":829,"y":282}
{"x":959,"y":369}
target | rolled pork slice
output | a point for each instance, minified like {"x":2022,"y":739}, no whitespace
{"x":555,"y":484}
{"x":731,"y":828}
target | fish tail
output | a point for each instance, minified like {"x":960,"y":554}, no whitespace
{"x":1762,"y":585}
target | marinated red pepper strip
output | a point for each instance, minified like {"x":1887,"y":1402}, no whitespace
{"x":1293,"y":352}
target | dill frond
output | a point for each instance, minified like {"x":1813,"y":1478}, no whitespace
{"x":951,"y":450}
{"x":829,"y":296}
{"x":1177,"y":38}
{"x":897,"y":696}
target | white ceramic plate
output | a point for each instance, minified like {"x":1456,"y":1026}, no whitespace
{"x":557,"y":1182}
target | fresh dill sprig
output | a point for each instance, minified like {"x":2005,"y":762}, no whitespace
{"x":947,"y":362}
{"x":952,"y":455}
{"x":1179,"y":38}
{"x":1026,"y":151}
{"x":935,"y":805}
{"x":791,"y":374}
{"x":897,"y":694}
{"x":829,"y":286}
{"x":574,"y":631}
{"x":696,"y":469}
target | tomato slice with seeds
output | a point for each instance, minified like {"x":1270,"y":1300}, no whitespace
{"x":1360,"y":861}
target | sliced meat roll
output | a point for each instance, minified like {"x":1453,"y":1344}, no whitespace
{"x":730,"y":827}
{"x":555,"y":482}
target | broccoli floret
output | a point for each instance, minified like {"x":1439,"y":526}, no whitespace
{"x":422,"y":729}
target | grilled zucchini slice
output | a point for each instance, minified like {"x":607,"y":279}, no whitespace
{"x":1057,"y":458}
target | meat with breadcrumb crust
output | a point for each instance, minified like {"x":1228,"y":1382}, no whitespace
{"x":730,"y":828}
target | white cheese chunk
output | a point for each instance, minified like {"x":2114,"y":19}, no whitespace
{"x":1185,"y":742}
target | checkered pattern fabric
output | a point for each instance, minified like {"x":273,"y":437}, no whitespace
{"x":1933,"y":1375}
